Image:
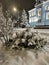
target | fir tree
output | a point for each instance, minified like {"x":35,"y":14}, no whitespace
{"x":24,"y":17}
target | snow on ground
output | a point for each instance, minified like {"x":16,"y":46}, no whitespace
{"x":25,"y":57}
{"x":44,"y":33}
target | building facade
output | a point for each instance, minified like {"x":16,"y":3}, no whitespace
{"x":39,"y":15}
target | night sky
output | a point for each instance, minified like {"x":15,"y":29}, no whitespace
{"x":20,"y":4}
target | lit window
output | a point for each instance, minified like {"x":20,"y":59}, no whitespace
{"x":33,"y":13}
{"x":47,"y":7}
{"x":30,"y":20}
{"x":39,"y":12}
{"x":34,"y":19}
{"x":47,"y":15}
{"x":30,"y":14}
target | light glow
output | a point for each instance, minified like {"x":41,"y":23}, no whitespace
{"x":14,"y":9}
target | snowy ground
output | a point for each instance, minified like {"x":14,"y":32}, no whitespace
{"x":25,"y":57}
{"x":44,"y":32}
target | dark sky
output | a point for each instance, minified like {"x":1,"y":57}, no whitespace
{"x":20,"y":4}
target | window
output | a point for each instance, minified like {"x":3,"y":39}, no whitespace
{"x":47,"y":7}
{"x":30,"y":14}
{"x":47,"y":15}
{"x":33,"y":13}
{"x":39,"y":12}
{"x":34,"y":19}
{"x":30,"y":20}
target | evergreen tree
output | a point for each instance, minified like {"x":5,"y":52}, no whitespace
{"x":24,"y":17}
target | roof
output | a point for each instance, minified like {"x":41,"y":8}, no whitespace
{"x":45,"y":2}
{"x":32,"y":10}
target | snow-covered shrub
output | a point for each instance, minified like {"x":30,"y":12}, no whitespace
{"x":28,"y":39}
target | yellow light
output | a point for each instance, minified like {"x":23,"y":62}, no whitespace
{"x":14,"y":9}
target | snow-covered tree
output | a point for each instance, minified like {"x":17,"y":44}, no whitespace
{"x":24,"y":17}
{"x":39,"y":1}
{"x":6,"y":27}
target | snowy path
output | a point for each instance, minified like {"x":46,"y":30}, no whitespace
{"x":25,"y":57}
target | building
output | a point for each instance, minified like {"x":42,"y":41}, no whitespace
{"x":39,"y":15}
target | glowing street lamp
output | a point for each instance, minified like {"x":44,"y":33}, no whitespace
{"x":14,"y":9}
